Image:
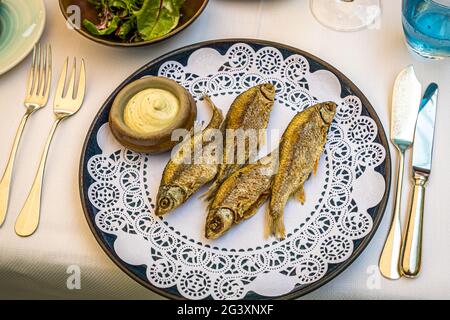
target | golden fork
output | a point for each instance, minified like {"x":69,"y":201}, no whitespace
{"x":37,"y":92}
{"x":67,"y":103}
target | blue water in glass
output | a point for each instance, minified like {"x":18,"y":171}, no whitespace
{"x":427,"y":27}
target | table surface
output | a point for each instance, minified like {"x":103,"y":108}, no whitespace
{"x":41,"y":265}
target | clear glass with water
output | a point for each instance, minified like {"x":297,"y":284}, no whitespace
{"x":427,"y":27}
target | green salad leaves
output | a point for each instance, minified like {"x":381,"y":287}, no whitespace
{"x":135,"y":20}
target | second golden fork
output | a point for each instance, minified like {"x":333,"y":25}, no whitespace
{"x":68,"y":101}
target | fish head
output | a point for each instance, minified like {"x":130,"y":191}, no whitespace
{"x":327,"y":110}
{"x":169,"y":197}
{"x":268,"y":90}
{"x":218,"y":222}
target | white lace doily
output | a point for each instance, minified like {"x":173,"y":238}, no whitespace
{"x":173,"y":251}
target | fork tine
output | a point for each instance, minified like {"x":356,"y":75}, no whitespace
{"x":62,"y":81}
{"x":49,"y":72}
{"x":37,"y":67}
{"x":42,"y":72}
{"x":31,"y":72}
{"x":71,"y":87}
{"x":81,"y":84}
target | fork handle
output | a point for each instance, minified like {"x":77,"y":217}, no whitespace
{"x":5,"y":183}
{"x":412,"y":252}
{"x":28,"y":219}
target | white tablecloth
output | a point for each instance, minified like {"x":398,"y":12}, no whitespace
{"x":38,"y":266}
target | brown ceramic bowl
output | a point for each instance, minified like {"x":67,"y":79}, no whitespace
{"x":155,"y":142}
{"x":189,"y":12}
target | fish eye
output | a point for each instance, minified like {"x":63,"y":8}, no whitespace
{"x":165,"y":203}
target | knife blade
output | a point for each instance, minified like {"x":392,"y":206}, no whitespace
{"x":405,"y":107}
{"x":423,"y":138}
{"x":411,"y":260}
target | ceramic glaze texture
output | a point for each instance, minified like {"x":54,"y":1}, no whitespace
{"x":21,"y":25}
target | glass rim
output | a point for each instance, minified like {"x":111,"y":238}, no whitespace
{"x":446,"y":6}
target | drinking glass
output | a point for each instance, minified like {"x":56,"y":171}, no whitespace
{"x":346,"y":15}
{"x":427,"y":27}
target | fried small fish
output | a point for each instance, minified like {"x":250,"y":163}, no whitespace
{"x":249,"y":111}
{"x":300,"y":149}
{"x":239,"y":196}
{"x":181,"y":178}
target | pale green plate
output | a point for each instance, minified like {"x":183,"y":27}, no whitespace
{"x":21,"y":25}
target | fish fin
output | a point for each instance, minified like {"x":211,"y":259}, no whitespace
{"x":223,"y":173}
{"x":278,"y":229}
{"x":217,"y":117}
{"x":316,"y":166}
{"x":254,"y":208}
{"x":268,"y":224}
{"x":300,"y":194}
{"x":239,"y":213}
{"x":208,"y":205}
{"x":209,"y":194}
{"x":275,"y":225}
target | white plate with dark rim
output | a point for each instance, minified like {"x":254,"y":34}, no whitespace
{"x":170,"y":255}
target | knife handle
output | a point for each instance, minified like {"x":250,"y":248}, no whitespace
{"x":390,"y":255}
{"x":410,"y":262}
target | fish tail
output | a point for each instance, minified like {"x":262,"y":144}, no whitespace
{"x":278,"y":229}
{"x":275,"y":225}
